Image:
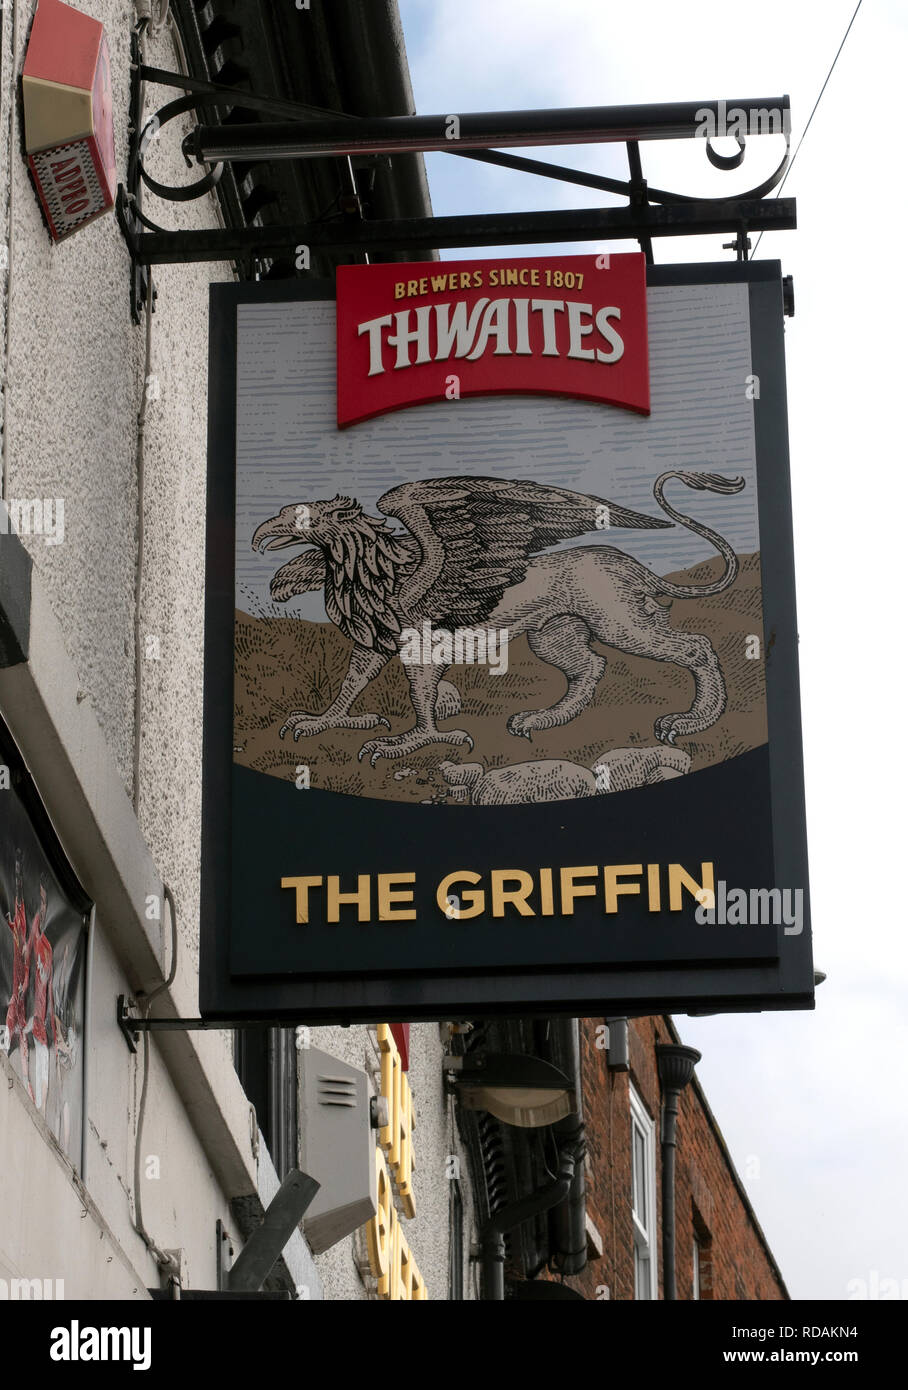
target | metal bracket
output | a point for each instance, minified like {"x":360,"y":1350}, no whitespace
{"x":304,"y":131}
{"x":132,"y":1025}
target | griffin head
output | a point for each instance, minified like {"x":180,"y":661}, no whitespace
{"x":315,"y":523}
{"x":328,"y":528}
{"x":354,"y":557}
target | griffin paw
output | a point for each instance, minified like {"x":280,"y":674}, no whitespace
{"x":522,"y":725}
{"x":402,"y":745}
{"x":310,"y":725}
{"x":668,"y":727}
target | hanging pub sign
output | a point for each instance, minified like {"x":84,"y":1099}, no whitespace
{"x":501,"y":691}
{"x":42,"y":956}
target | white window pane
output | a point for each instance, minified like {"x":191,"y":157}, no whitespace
{"x":642,"y":1287}
{"x":640,"y":1183}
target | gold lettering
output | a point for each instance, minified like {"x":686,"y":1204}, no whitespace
{"x":475,"y":898}
{"x":678,"y":879}
{"x":378,"y":1230}
{"x":336,"y":899}
{"x":516,"y":896}
{"x":302,"y":886}
{"x":389,"y":894}
{"x":390,"y":1258}
{"x":611,"y":874}
{"x":546,"y":900}
{"x":570,"y":890}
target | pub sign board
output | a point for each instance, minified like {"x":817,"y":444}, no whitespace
{"x":501,"y":686}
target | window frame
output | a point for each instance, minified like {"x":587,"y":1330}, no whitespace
{"x":645,"y":1241}
{"x":264,"y":1058}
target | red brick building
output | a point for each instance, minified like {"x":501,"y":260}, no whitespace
{"x":720,"y":1250}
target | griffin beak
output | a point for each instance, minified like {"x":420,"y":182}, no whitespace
{"x":274,"y":534}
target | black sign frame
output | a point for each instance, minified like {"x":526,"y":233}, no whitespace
{"x":720,"y":969}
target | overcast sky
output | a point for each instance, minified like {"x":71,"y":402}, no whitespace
{"x":812,"y":1105}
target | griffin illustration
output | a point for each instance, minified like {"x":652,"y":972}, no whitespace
{"x":474,"y":557}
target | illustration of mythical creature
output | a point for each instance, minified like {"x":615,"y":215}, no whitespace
{"x":473,"y":558}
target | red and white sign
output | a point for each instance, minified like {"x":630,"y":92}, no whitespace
{"x":434,"y":331}
{"x":68,"y":108}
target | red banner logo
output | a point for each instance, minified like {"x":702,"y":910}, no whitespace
{"x":434,"y":331}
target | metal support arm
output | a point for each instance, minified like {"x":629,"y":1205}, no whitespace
{"x":484,"y":229}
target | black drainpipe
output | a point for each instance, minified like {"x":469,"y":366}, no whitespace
{"x":492,"y":1235}
{"x":568,"y":1221}
{"x":676,"y":1068}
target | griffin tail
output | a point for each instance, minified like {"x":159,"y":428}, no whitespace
{"x":702,"y":482}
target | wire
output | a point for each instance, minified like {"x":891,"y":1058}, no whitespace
{"x":165,"y":1261}
{"x":813,"y":112}
{"x":174,"y":944}
{"x":140,"y":547}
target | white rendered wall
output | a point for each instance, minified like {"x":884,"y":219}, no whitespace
{"x":70,"y":401}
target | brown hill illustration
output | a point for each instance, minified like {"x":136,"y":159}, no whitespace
{"x":285,"y":664}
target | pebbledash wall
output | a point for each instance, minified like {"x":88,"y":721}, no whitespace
{"x":71,"y":398}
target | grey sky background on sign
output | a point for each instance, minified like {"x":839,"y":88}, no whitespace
{"x":289,"y":449}
{"x":811,"y":1104}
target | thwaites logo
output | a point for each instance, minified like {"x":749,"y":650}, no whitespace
{"x":433,"y":331}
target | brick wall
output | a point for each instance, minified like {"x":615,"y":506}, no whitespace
{"x":734,"y":1261}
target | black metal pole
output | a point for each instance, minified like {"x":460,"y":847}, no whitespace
{"x":676,"y":1068}
{"x":568,"y":125}
{"x":492,"y":1235}
{"x":484,"y":229}
{"x":669,"y":1131}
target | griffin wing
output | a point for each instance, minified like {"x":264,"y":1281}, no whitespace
{"x":477,"y":536}
{"x":300,"y":575}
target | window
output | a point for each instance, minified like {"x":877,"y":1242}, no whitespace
{"x":265,"y":1059}
{"x":643,"y":1198}
{"x":702,"y":1271}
